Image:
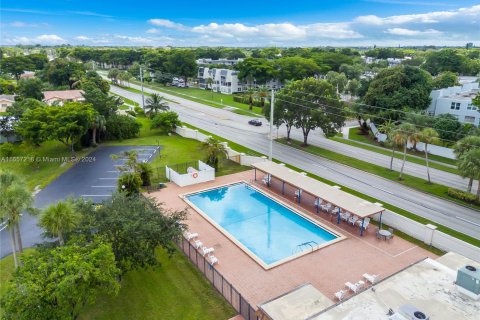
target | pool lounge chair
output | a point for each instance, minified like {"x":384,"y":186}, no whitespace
{"x":370,"y":277}
{"x":191,"y":236}
{"x":353,"y":219}
{"x":206,"y":250}
{"x":197,"y":244}
{"x":326,"y":207}
{"x":352,"y":287}
{"x":366,"y":222}
{"x":340,"y":294}
{"x":360,"y":284}
{"x":345,"y":215}
{"x":267,"y":179}
{"x":318,"y":202}
{"x":212,"y":259}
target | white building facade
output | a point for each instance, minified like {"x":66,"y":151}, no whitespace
{"x":226,"y":81}
{"x":456,"y":101}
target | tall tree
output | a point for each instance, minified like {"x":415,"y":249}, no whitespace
{"x":16,"y":65}
{"x":155,"y":103}
{"x":215,"y":152}
{"x":59,"y":219}
{"x":469,"y":166}
{"x":403,"y":134}
{"x":14,"y":199}
{"x":58,"y":283}
{"x":135,"y":227}
{"x":462,"y":147}
{"x":445,"y":79}
{"x":60,"y":72}
{"x":296,"y":68}
{"x":314,"y":104}
{"x":428,"y":136}
{"x":256,"y":69}
{"x":98,"y":125}
{"x":182,"y":63}
{"x":31,"y":88}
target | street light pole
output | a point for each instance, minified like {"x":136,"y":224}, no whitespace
{"x":272,"y":103}
{"x":141,"y":81}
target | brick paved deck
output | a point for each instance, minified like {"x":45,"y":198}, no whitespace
{"x":326,"y":269}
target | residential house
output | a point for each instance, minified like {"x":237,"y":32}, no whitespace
{"x":6,"y":100}
{"x":456,"y":100}
{"x":27,"y":75}
{"x":61,"y":96}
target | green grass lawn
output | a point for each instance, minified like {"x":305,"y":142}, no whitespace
{"x":214,"y":99}
{"x":126,"y":100}
{"x":354,"y":134}
{"x":40,"y":172}
{"x":174,"y":150}
{"x":175,"y":290}
{"x":409,"y":181}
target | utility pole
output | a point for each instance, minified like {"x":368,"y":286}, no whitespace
{"x":272,"y":105}
{"x":141,"y":81}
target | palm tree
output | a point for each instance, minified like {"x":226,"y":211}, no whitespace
{"x":60,"y":218}
{"x":462,"y":147}
{"x":428,"y":136}
{"x":469,"y":166}
{"x":251,"y":94}
{"x":14,"y":198}
{"x":403,"y":134}
{"x":263,"y":94}
{"x":98,"y":125}
{"x":215,"y":151}
{"x":388,"y":128}
{"x":156,"y":103}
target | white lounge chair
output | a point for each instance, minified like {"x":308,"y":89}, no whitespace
{"x":197,"y":244}
{"x":345,"y":215}
{"x":267,"y":179}
{"x":317,"y":202}
{"x":298,"y":193}
{"x":326,"y":207}
{"x":360,"y":284}
{"x":352,"y":287}
{"x":370,"y":277}
{"x":353,"y":219}
{"x":340,"y":294}
{"x":191,"y":236}
{"x":366,"y":222}
{"x":213,"y":260}
{"x":206,"y":250}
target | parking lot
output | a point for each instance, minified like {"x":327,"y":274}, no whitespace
{"x":94,"y":177}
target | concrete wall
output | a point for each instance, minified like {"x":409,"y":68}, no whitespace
{"x":436,"y":150}
{"x":429,"y":235}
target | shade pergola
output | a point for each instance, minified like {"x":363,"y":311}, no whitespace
{"x":330,"y":194}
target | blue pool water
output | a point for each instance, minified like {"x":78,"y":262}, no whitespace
{"x":268,"y":229}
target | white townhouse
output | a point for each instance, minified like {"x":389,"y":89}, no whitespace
{"x":225,"y":62}
{"x":456,"y":100}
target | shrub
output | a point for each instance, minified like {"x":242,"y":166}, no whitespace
{"x":166,"y":121}
{"x":145,"y":171}
{"x":462,"y":195}
{"x":131,"y":112}
{"x":129,"y":183}
{"x":139,"y":110}
{"x":121,"y":127}
{"x":6,"y":149}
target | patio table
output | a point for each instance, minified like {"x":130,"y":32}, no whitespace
{"x":384,"y":233}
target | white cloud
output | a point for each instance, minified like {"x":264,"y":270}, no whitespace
{"x":21,"y":24}
{"x":49,"y":38}
{"x":46,"y":39}
{"x":409,"y":32}
{"x":82,"y":38}
{"x":167,"y":24}
{"x":152,"y":30}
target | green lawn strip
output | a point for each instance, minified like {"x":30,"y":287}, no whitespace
{"x":126,"y":100}
{"x":174,"y":150}
{"x":398,"y":155}
{"x":219,"y":99}
{"x":138,"y":91}
{"x":175,"y":290}
{"x":405,"y":213}
{"x":47,"y":168}
{"x":408,"y":180}
{"x":354,"y":134}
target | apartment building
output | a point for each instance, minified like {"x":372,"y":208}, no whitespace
{"x":456,"y":100}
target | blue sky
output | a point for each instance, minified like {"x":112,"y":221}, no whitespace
{"x":241,"y":23}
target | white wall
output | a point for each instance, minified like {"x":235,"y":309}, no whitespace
{"x":436,"y":150}
{"x":430,"y":236}
{"x":206,"y":173}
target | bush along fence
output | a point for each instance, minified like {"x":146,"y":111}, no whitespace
{"x":241,"y":158}
{"x":256,"y":103}
{"x":225,"y":288}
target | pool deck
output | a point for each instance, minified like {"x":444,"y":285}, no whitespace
{"x":327,"y":269}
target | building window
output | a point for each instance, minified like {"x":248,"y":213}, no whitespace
{"x":471,"y":107}
{"x":469,"y":119}
{"x":455,"y":106}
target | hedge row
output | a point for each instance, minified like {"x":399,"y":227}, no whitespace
{"x":244,"y":99}
{"x":462,"y":195}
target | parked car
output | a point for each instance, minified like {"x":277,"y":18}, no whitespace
{"x":255,"y":122}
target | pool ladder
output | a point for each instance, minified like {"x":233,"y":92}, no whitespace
{"x":312,"y":244}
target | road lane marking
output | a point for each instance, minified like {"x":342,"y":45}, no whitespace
{"x":471,"y":222}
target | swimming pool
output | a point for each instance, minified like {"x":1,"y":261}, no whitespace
{"x":270,"y":232}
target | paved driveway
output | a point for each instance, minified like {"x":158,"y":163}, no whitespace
{"x":94,"y":178}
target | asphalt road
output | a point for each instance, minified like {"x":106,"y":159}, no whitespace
{"x":93,"y":177}
{"x":235,"y":128}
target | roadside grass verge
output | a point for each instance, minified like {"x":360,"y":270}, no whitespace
{"x":354,"y":134}
{"x":408,"y":180}
{"x":126,"y":100}
{"x":398,"y":155}
{"x":405,"y":213}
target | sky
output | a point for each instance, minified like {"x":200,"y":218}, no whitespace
{"x":245,"y":23}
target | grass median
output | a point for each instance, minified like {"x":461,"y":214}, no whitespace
{"x":408,"y":180}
